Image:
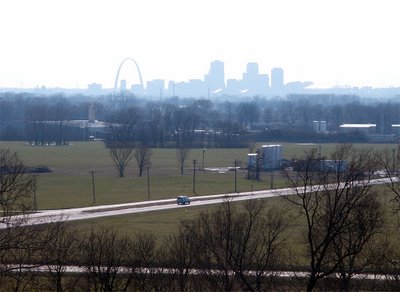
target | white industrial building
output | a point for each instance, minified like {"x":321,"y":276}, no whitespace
{"x":319,"y":126}
{"x":272,"y":156}
{"x":251,"y":160}
{"x":364,"y":128}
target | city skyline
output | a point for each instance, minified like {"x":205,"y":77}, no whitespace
{"x":73,"y":43}
{"x":253,"y":82}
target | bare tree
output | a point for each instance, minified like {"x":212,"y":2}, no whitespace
{"x":18,"y":243}
{"x":384,"y":258}
{"x":60,"y":249}
{"x":182,"y":154}
{"x":16,"y":187}
{"x":121,"y":154}
{"x":339,"y":209}
{"x":142,"y":155}
{"x":364,"y":224}
{"x":16,"y":259}
{"x":230,"y":242}
{"x":146,"y":255}
{"x":104,"y":256}
{"x":390,"y":164}
{"x":181,"y":250}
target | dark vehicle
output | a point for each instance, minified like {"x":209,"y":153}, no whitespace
{"x":183,"y":200}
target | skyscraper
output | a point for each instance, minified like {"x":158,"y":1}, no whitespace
{"x":253,"y":81}
{"x":123,"y":85}
{"x":155,"y":88}
{"x":277,"y":79}
{"x":252,"y":69}
{"x":215,"y":79}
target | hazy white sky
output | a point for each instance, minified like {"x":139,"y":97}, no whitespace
{"x":70,"y":43}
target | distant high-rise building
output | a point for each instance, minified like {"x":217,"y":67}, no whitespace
{"x":215,"y":79}
{"x":137,"y":89}
{"x":254,"y":82}
{"x":277,"y":79}
{"x":123,"y":85}
{"x":233,"y":86}
{"x":171,"y":88}
{"x":252,"y":69}
{"x":94,"y":88}
{"x":155,"y":88}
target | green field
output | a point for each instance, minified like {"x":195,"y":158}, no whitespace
{"x":162,"y":223}
{"x":70,"y":184}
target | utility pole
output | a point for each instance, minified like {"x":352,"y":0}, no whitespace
{"x":194,"y":176}
{"x":93,"y":187}
{"x":202,"y":164}
{"x":235,"y":176}
{"x":272,"y":179}
{"x":148,"y":183}
{"x":394,"y":160}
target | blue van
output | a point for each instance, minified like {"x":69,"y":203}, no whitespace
{"x":183,"y":200}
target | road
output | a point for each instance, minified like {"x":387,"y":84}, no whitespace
{"x":49,"y":216}
{"x":166,"y":270}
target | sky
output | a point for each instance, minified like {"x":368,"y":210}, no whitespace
{"x":72,"y":43}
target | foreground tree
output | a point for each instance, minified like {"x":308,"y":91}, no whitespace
{"x":104,"y":256}
{"x":389,"y":162}
{"x":16,"y":188}
{"x":231,"y":241}
{"x":20,"y":244}
{"x":340,"y":211}
{"x":146,"y":255}
{"x":59,"y":251}
{"x":181,"y":250}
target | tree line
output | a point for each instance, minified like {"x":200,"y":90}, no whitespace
{"x":173,"y":122}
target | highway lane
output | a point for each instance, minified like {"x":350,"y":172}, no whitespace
{"x":48,"y":216}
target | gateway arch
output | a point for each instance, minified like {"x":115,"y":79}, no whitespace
{"x":119,"y":69}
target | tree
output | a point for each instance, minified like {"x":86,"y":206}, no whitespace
{"x":181,"y":250}
{"x":389,"y":161}
{"x":142,"y":155}
{"x":234,"y":241}
{"x":340,"y":211}
{"x":60,"y":250}
{"x":146,"y":254}
{"x":364,"y":223}
{"x":16,"y":188}
{"x":182,"y":154}
{"x":19,"y":244}
{"x":104,"y":256}
{"x":248,"y":113}
{"x":384,"y":257}
{"x":121,"y":154}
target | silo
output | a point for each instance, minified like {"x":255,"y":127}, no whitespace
{"x":322,"y":126}
{"x":251,"y":160}
{"x":272,"y":156}
{"x":316,"y":126}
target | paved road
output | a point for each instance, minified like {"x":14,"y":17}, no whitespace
{"x":48,"y":216}
{"x":166,"y":270}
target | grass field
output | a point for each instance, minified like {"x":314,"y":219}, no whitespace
{"x":70,"y":185}
{"x":162,"y":223}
